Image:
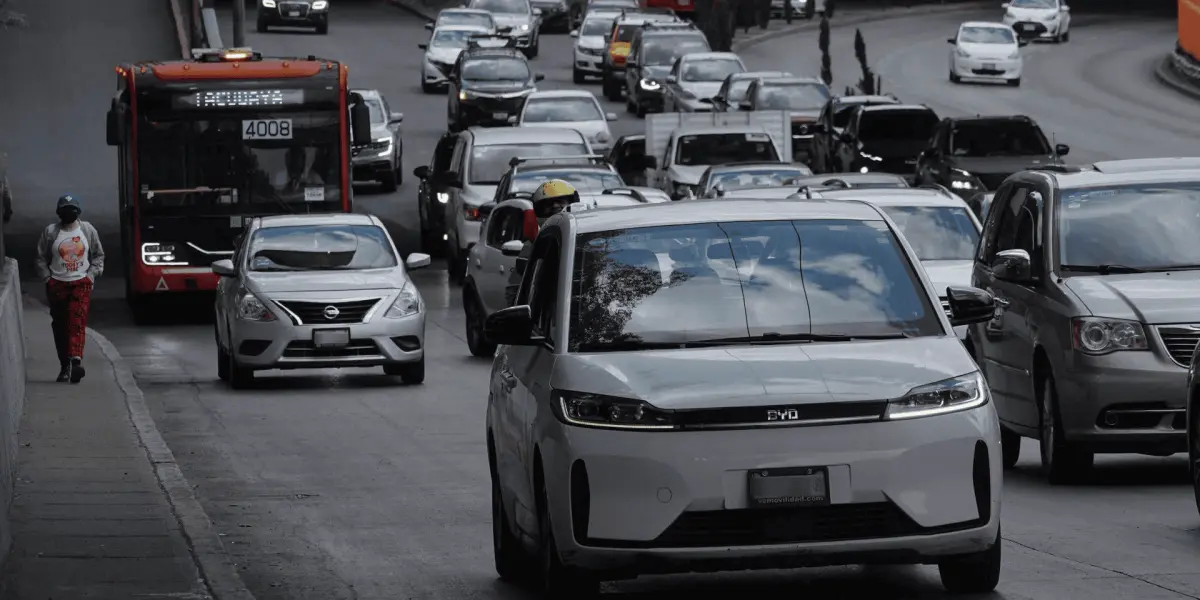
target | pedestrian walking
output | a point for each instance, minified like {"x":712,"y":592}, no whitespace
{"x":69,"y":259}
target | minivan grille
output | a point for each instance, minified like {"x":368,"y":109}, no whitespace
{"x":1180,"y":341}
{"x":318,"y":313}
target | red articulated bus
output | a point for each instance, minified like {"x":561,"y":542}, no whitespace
{"x":204,"y":145}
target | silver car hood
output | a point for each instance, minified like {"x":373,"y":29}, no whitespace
{"x":946,"y":273}
{"x":1146,"y":297}
{"x":1032,"y":14}
{"x":326,"y":281}
{"x":766,"y":375}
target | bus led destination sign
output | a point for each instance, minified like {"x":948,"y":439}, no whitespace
{"x":240,"y":99}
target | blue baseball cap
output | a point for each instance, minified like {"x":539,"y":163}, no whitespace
{"x":69,"y":201}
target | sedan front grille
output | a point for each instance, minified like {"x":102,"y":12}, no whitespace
{"x":328,"y":313}
{"x":305,"y":350}
{"x":287,"y":8}
{"x":1180,"y":341}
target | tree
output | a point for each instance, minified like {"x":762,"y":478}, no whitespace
{"x":823,"y":42}
{"x":867,"y":84}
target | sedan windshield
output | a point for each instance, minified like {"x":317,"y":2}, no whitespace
{"x":804,"y":96}
{"x":740,"y":282}
{"x":321,"y":248}
{"x":936,"y":232}
{"x":518,"y":7}
{"x":558,"y":110}
{"x":453,"y":38}
{"x":459,"y":18}
{"x":753,"y":178}
{"x":711,"y":70}
{"x":495,"y":69}
{"x":897,"y":125}
{"x":987,"y":35}
{"x":1143,"y":226}
{"x":721,"y":148}
{"x":584,"y":182}
{"x":490,"y":163}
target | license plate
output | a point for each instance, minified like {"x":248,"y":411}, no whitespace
{"x":989,"y":66}
{"x":499,"y":116}
{"x":293,"y":13}
{"x":331,"y":338}
{"x":1028,"y":26}
{"x":795,"y":486}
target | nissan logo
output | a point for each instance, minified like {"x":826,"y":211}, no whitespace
{"x":331,"y":312}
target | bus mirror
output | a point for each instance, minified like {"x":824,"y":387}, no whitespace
{"x":360,"y":119}
{"x":113,"y":128}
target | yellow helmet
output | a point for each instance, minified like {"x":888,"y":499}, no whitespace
{"x":552,"y":197}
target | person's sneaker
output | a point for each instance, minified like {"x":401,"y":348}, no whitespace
{"x":77,"y":370}
{"x":64,"y":374}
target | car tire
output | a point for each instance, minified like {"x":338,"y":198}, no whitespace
{"x":533,"y":48}
{"x":1010,"y":447}
{"x":455,"y":264}
{"x":557,"y":581}
{"x":323,"y":29}
{"x":578,"y":76}
{"x":262,"y":26}
{"x":1194,"y":453}
{"x":640,"y":111}
{"x":512,"y":562}
{"x":1062,"y":462}
{"x":954,"y":78}
{"x":476,"y":342}
{"x":222,"y":362}
{"x":388,"y":181}
{"x":612,"y":91}
{"x":976,"y":573}
{"x":1066,"y":36}
{"x":411,"y":373}
{"x":239,"y":377}
{"x":1014,"y":82}
{"x":630,"y":107}
{"x":428,"y":89}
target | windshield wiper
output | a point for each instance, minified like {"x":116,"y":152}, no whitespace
{"x":1104,"y":269}
{"x":629,"y":341}
{"x":772,"y":337}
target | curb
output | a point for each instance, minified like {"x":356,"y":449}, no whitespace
{"x":1165,"y":73}
{"x":858,"y":19}
{"x":217,"y":570}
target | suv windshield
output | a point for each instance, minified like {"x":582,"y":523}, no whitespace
{"x":321,"y":248}
{"x":459,"y":18}
{"x":585,"y":182}
{"x":452,"y":38}
{"x":519,"y":7}
{"x":716,"y":69}
{"x":495,"y":69}
{"x":490,"y":163}
{"x":664,"y":50}
{"x":558,"y":110}
{"x":936,"y":232}
{"x":738,"y":282}
{"x":987,"y":35}
{"x":375,"y":107}
{"x":898,"y":125}
{"x":1145,"y":226}
{"x":721,"y":148}
{"x":1007,"y":137}
{"x":597,"y":26}
{"x":792,"y":96}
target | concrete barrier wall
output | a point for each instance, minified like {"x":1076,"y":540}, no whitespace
{"x":12,"y":389}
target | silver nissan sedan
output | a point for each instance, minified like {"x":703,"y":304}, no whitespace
{"x":724,"y":384}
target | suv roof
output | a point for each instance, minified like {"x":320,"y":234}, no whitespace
{"x":497,"y":136}
{"x":707,"y":211}
{"x":894,"y":196}
{"x":1120,"y":172}
{"x":895,"y":108}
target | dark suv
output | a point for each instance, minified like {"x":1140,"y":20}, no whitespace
{"x":970,"y":155}
{"x":831,"y":123}
{"x":887,"y":138}
{"x":488,"y":85}
{"x":652,"y":53}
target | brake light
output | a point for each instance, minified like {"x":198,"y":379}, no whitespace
{"x":471,"y":213}
{"x":530,"y":226}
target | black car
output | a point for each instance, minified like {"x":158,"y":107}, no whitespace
{"x":488,"y":84}
{"x":653,"y":51}
{"x":885,"y":138}
{"x":976,"y":154}
{"x":555,"y":15}
{"x":831,"y":123}
{"x":293,"y":13}
{"x":628,"y":156}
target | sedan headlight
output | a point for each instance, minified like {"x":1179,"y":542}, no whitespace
{"x":250,"y":308}
{"x":268,"y":3}
{"x":525,"y":27}
{"x":320,"y":5}
{"x":1015,"y":55}
{"x":1094,"y":335}
{"x":407,"y":303}
{"x":464,"y":95}
{"x":157,"y":255}
{"x":607,"y":412}
{"x":962,"y":53}
{"x":950,"y":395}
{"x":649,"y":84}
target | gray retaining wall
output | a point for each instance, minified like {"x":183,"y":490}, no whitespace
{"x":12,"y":389}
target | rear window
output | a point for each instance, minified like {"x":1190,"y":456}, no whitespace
{"x":321,"y":248}
{"x":897,"y":125}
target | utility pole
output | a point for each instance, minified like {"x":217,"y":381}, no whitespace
{"x":239,"y":23}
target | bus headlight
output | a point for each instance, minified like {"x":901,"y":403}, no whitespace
{"x":159,"y":255}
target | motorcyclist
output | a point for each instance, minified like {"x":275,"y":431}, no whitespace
{"x":549,"y":199}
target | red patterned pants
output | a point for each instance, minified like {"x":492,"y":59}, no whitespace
{"x":69,"y":302}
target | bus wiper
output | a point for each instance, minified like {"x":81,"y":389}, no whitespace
{"x":1104,"y":269}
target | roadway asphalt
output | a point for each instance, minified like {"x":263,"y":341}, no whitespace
{"x":351,"y":486}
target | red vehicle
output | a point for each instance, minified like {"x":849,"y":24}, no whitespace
{"x":204,"y":145}
{"x":684,"y":8}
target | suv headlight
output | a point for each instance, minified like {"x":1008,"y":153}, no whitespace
{"x":320,"y":5}
{"x":382,"y":146}
{"x":250,"y":308}
{"x":950,"y":395}
{"x":160,"y":254}
{"x":525,"y":27}
{"x":607,"y":412}
{"x":268,"y":3}
{"x":649,"y":84}
{"x":408,"y":302}
{"x":962,"y":180}
{"x":1095,"y":335}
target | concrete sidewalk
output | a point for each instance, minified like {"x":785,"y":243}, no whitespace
{"x":89,"y":517}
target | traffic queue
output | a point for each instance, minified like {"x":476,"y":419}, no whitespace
{"x":776,"y":328}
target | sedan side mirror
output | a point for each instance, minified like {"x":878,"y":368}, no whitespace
{"x":539,"y":77}
{"x":537,"y":12}
{"x":512,"y":248}
{"x":574,"y":33}
{"x":1022,"y":42}
{"x":417,"y":260}
{"x":610,"y":116}
{"x":512,"y":120}
{"x":950,"y":40}
{"x":970,"y":305}
{"x":224,"y":268}
{"x":423,"y":46}
{"x":1062,"y":149}
{"x":512,"y":326}
{"x":429,"y":27}
{"x":1064,"y":8}
{"x":1012,"y":265}
{"x":395,"y":118}
{"x":421,"y":172}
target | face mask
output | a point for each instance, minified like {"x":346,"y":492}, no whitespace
{"x":68,"y":216}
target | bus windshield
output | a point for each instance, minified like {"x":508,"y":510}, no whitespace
{"x":273,"y":162}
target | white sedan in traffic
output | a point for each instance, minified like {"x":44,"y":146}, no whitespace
{"x":569,"y":109}
{"x":986,"y":51}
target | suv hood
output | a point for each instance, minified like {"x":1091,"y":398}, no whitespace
{"x":1146,"y":297}
{"x":1001,"y":165}
{"x":766,"y":375}
{"x":326,"y":281}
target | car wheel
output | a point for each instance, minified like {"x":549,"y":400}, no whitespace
{"x":1066,"y":36}
{"x":427,"y":88}
{"x":630,"y":107}
{"x":557,"y":580}
{"x":323,"y":29}
{"x":411,"y":373}
{"x":976,"y":573}
{"x":476,"y":342}
{"x":1015,"y":82}
{"x":640,"y":111}
{"x":455,"y":264}
{"x":1010,"y":447}
{"x":388,"y":181}
{"x":222,"y":363}
{"x":612,"y":91}
{"x":954,"y":78}
{"x":512,"y":563}
{"x":239,"y":377}
{"x":1061,"y":461}
{"x":578,"y":76}
{"x":1194,"y":454}
{"x":533,"y":48}
{"x":262,"y":26}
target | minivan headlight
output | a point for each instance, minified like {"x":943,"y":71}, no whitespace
{"x":408,"y":302}
{"x":607,"y":412}
{"x":250,"y":308}
{"x":1092,"y":335}
{"x":950,"y":395}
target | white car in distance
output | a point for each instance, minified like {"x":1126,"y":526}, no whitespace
{"x":1039,"y":19}
{"x":986,"y":51}
{"x":590,"y":40}
{"x":569,"y":109}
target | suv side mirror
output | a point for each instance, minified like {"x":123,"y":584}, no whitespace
{"x":512,"y":248}
{"x":1012,"y":265}
{"x":539,"y":77}
{"x":970,"y":305}
{"x":423,"y":46}
{"x":395,"y":118}
{"x":224,"y":268}
{"x":429,"y":27}
{"x":512,"y":326}
{"x":421,"y":172}
{"x":574,"y":33}
{"x":950,"y":40}
{"x":1062,"y":149}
